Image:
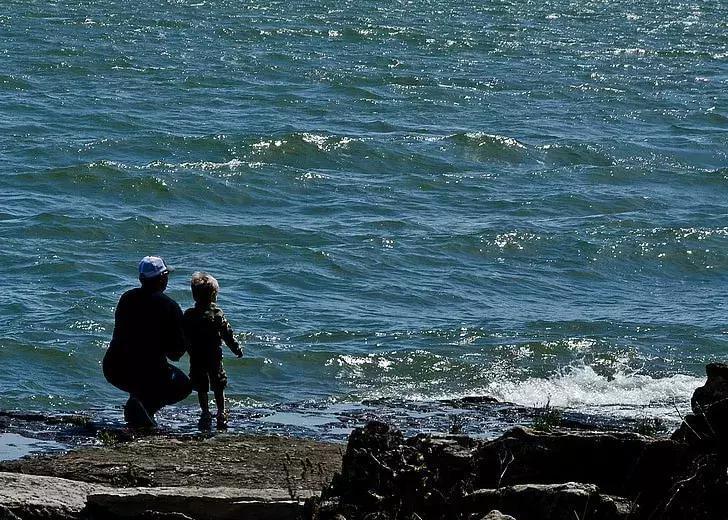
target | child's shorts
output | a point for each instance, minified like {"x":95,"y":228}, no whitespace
{"x":208,"y":377}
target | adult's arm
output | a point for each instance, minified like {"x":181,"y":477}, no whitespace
{"x":176,"y":341}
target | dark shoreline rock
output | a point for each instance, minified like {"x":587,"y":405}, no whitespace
{"x":439,"y":477}
{"x":539,"y":476}
{"x":707,"y":426}
{"x":526,"y":474}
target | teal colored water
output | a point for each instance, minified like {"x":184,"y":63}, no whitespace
{"x":415,"y":200}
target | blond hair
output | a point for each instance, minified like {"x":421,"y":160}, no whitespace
{"x":204,"y":287}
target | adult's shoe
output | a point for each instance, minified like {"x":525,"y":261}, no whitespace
{"x":136,"y":416}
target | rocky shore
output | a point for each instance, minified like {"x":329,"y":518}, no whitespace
{"x":529,"y":475}
{"x":382,"y":475}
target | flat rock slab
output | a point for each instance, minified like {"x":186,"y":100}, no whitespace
{"x":197,"y":503}
{"x":34,"y":497}
{"x":548,"y":502}
{"x":229,"y":460}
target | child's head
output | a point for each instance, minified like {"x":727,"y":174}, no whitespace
{"x":204,"y":287}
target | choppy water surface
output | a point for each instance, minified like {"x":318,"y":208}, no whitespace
{"x":403,"y":201}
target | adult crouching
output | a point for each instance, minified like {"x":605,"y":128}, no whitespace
{"x":147,"y":332}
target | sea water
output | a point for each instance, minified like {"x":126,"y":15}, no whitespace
{"x":403,"y":201}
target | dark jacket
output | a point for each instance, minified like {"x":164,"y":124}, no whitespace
{"x":147,"y":331}
{"x":206,"y":329}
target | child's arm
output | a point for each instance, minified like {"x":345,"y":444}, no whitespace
{"x":227,"y":335}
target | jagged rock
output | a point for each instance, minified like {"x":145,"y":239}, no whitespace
{"x":374,"y":457}
{"x":662,"y":463}
{"x":32,"y":497}
{"x":714,"y":390}
{"x":699,"y":495}
{"x":548,"y":502}
{"x":707,"y":426}
{"x":196,"y":503}
{"x":609,"y":460}
{"x":428,"y":476}
{"x":497,"y":515}
{"x":382,"y":473}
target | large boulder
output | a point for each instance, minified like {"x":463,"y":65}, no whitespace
{"x":619,"y":463}
{"x":707,"y":426}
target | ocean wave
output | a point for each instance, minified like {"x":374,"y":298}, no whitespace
{"x":491,"y":147}
{"x":581,"y":387}
{"x":578,"y":387}
{"x":217,"y":152}
{"x":685,"y":248}
{"x":104,"y":176}
{"x":572,"y":154}
{"x":11,"y":82}
{"x":300,"y":144}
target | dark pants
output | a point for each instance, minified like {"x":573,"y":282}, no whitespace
{"x":154,"y":388}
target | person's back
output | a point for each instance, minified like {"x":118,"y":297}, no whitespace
{"x":148,"y":329}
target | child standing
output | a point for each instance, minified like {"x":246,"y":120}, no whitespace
{"x":206,"y":328}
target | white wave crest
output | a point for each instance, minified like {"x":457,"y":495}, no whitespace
{"x":580,"y":387}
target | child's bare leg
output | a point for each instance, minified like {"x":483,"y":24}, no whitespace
{"x":204,"y":402}
{"x":220,"y":402}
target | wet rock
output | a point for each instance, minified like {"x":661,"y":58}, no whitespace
{"x":196,"y":503}
{"x":470,"y":401}
{"x":548,"y":502}
{"x":707,"y":427}
{"x":226,"y":460}
{"x":32,"y":497}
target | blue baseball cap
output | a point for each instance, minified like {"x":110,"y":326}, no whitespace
{"x":151,"y":267}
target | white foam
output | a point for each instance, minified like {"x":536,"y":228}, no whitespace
{"x":580,"y":387}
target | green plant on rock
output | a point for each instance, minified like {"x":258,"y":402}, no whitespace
{"x":108,"y":437}
{"x":649,"y":426}
{"x":547,"y":418}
